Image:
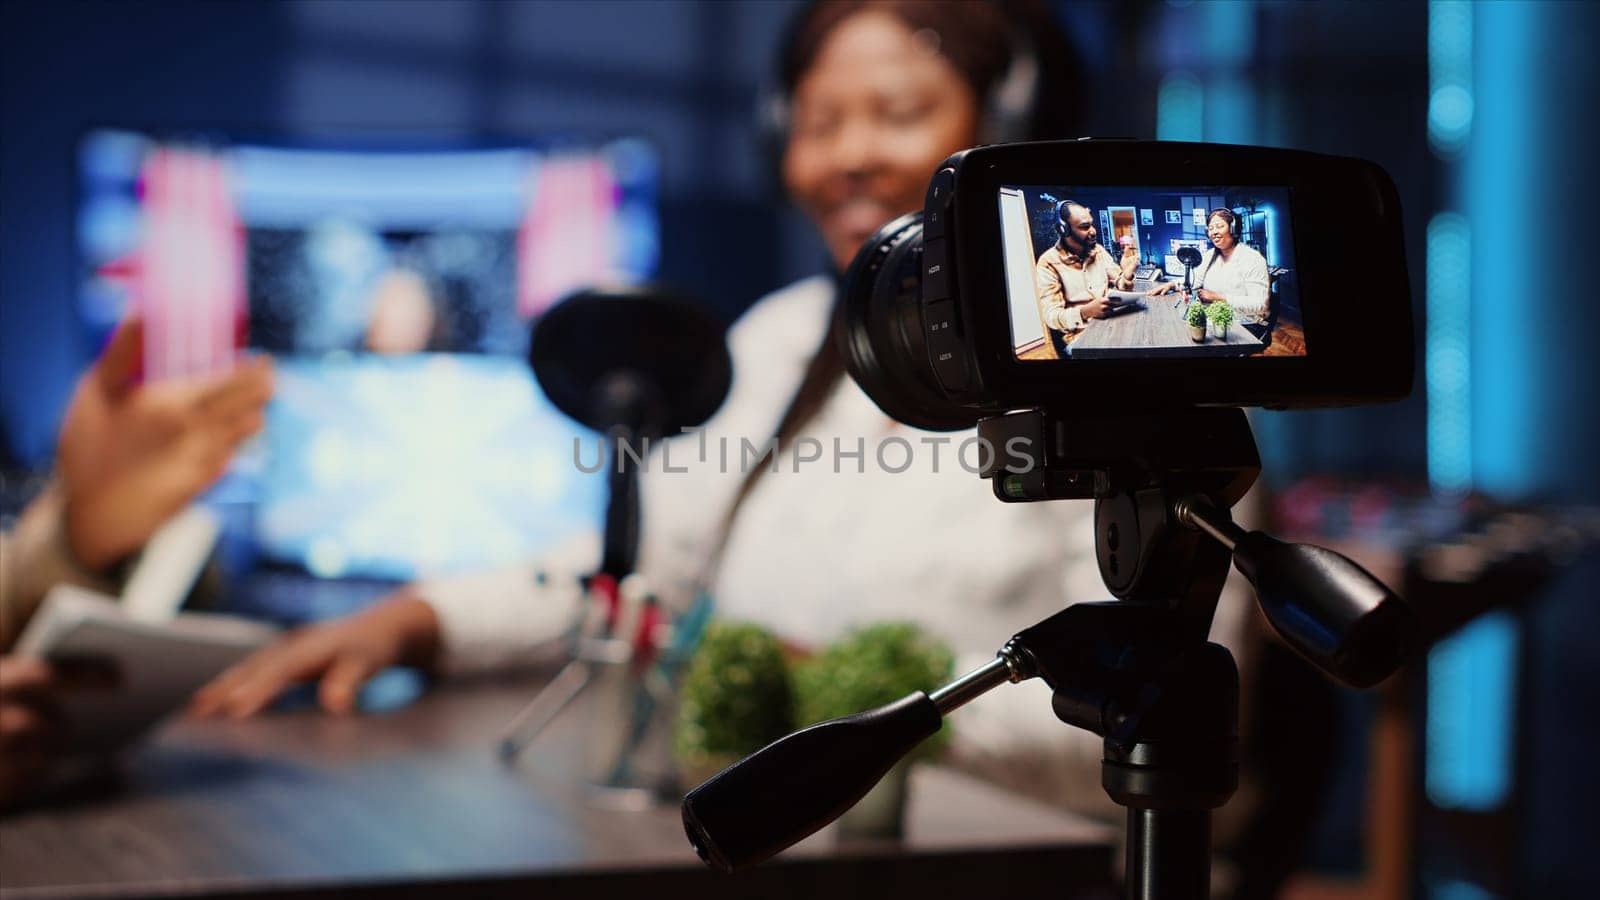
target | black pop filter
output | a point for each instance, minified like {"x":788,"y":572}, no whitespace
{"x":640,"y":358}
{"x":1189,"y":256}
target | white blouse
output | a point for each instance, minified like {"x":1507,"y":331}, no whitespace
{"x":1241,"y":278}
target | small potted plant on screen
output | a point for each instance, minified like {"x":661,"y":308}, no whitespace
{"x":1221,"y":315}
{"x":1196,"y":317}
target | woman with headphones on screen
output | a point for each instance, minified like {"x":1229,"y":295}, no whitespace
{"x":873,"y":95}
{"x":1232,"y":272}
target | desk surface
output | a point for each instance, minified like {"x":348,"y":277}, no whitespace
{"x":1158,"y":330}
{"x":415,"y":800}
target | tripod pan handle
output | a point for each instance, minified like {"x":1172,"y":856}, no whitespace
{"x":789,"y":789}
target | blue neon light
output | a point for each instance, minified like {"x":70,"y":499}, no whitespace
{"x":1180,"y":108}
{"x":1273,"y":237}
{"x":1228,"y":33}
{"x":1450,"y":102}
{"x":1448,"y":369}
{"x":1504,"y":177}
{"x":1475,"y":432}
{"x":1471,"y":679}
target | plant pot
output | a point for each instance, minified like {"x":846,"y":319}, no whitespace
{"x":1197,"y":333}
{"x":881,"y":814}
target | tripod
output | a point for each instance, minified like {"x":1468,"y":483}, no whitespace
{"x":1138,"y":672}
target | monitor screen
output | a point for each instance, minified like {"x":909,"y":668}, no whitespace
{"x":396,"y":288}
{"x":1143,"y":272}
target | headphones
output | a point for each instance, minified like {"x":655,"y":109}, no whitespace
{"x":1229,"y":216}
{"x":1009,"y":106}
{"x":1062,"y":225}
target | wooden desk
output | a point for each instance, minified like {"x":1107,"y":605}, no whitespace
{"x":415,"y":803}
{"x":1158,"y":330}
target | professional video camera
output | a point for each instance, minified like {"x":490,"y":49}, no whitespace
{"x":1090,"y":375}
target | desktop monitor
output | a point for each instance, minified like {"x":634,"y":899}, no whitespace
{"x":396,"y":288}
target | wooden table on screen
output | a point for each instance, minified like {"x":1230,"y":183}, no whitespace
{"x":1158,"y":330}
{"x":414,"y":802}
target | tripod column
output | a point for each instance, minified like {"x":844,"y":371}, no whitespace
{"x":1169,"y":853}
{"x":1178,"y":762}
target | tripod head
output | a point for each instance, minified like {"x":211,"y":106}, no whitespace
{"x":1162,"y":487}
{"x":1138,"y":671}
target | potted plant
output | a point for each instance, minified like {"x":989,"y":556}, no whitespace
{"x":735,"y":699}
{"x":1220,"y":313}
{"x":1196,"y":317}
{"x":870,"y":667}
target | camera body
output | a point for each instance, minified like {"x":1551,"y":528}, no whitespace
{"x":985,"y":301}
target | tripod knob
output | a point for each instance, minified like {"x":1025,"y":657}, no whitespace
{"x":789,"y":789}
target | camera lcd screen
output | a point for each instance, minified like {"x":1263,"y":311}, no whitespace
{"x":1147,"y":272}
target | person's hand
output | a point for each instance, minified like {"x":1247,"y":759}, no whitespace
{"x":30,"y":725}
{"x":1208,"y":296}
{"x":401,"y":629}
{"x":1130,"y":261}
{"x":1165,"y":287}
{"x":1095,"y":309}
{"x":33,"y":731}
{"x":131,"y":455}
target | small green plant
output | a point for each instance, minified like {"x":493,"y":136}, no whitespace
{"x":735,"y":697}
{"x":1221,"y":314}
{"x":1196,"y":316}
{"x":870,"y":667}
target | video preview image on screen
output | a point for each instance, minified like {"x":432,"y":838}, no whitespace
{"x":1143,"y":272}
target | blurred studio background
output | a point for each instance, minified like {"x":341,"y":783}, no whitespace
{"x":636,"y":122}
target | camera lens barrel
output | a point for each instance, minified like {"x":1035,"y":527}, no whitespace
{"x":883,"y":332}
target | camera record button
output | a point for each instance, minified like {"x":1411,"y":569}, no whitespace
{"x":935,"y":271}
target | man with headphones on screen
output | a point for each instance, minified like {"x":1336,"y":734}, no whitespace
{"x":1232,"y":272}
{"x":1072,"y":277}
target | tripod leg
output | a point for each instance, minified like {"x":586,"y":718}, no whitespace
{"x":1169,"y":854}
{"x":544,"y":707}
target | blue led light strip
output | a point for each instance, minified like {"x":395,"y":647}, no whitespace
{"x":1472,"y":676}
{"x":1450,"y":103}
{"x":1449,"y":353}
{"x":1471,"y":680}
{"x":1180,"y":108}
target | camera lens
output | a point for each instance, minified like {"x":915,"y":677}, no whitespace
{"x":880,"y":330}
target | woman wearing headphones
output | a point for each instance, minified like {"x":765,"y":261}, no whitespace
{"x":1232,"y":271}
{"x":882,"y":523}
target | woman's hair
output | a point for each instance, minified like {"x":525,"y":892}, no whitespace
{"x":982,"y":41}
